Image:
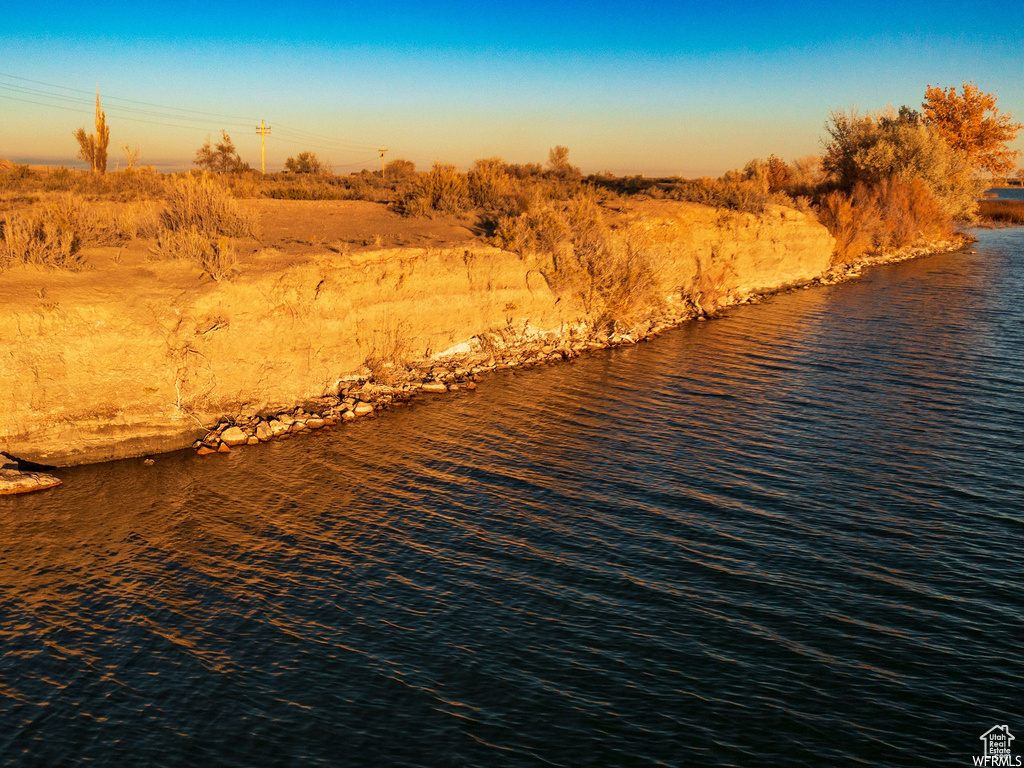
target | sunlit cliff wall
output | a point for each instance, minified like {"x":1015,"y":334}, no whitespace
{"x":92,"y":375}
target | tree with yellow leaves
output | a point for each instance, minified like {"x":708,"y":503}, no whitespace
{"x":92,"y":147}
{"x":971,"y":124}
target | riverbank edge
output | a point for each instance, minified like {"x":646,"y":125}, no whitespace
{"x":512,"y":348}
{"x":463,"y":366}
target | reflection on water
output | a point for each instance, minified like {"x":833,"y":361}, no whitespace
{"x":786,"y":537}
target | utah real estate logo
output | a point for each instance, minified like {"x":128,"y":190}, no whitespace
{"x":996,"y":749}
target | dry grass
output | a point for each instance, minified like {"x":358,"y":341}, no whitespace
{"x":204,"y":204}
{"x":53,"y":235}
{"x":1002,"y":211}
{"x":198,"y":219}
{"x":390,"y":351}
{"x":215,"y":256}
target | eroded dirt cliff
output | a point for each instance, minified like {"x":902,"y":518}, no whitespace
{"x":136,"y":356}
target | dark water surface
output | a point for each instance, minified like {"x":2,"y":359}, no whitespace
{"x":791,"y":536}
{"x":1009,"y":193}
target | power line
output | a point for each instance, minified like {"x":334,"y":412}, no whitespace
{"x":148,"y":113}
{"x":129,"y":101}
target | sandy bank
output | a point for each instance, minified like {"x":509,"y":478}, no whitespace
{"x":135,"y":356}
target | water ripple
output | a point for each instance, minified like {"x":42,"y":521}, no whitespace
{"x":786,"y":537}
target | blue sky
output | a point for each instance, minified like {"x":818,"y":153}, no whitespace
{"x":631,"y":87}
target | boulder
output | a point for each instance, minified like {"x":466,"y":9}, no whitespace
{"x":278,"y":428}
{"x":234,"y":436}
{"x":314,"y":423}
{"x":13,"y":481}
{"x":363,"y":409}
{"x":264,"y":431}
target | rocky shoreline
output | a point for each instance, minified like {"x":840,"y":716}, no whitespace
{"x":391,"y":383}
{"x":365,"y":394}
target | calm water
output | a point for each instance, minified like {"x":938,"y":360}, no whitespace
{"x":791,"y":536}
{"x":1004,"y":193}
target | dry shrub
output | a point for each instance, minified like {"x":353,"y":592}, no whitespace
{"x":441,"y":190}
{"x":707,"y":290}
{"x":909,"y":213}
{"x":205,"y":205}
{"x":611,"y":275}
{"x":316,"y":188}
{"x":390,"y":351}
{"x":137,"y":220}
{"x":889,"y":214}
{"x":744,"y":195}
{"x":53,"y":236}
{"x":215,"y":256}
{"x":493,"y":189}
{"x":199,"y":217}
{"x":850,"y":224}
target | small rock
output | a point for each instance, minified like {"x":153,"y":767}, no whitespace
{"x":278,"y":428}
{"x":348,"y":415}
{"x":437,"y":387}
{"x":234,"y":436}
{"x":314,"y":423}
{"x":149,"y":462}
{"x":253,"y":441}
{"x":264,"y":431}
{"x":363,"y":409}
{"x":223,"y":448}
{"x":298,"y":426}
{"x":205,"y":450}
{"x":471,"y":385}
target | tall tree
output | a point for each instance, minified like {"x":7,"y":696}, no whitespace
{"x":220,"y":157}
{"x":971,"y":124}
{"x":306,"y":162}
{"x":92,"y":147}
{"x":559,"y":165}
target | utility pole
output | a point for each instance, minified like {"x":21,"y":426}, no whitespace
{"x":383,"y":151}
{"x":262,"y":130}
